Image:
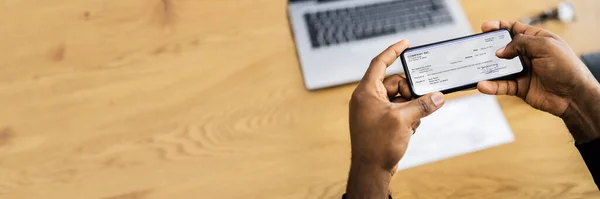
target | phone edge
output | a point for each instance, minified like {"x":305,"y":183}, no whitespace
{"x":465,"y":87}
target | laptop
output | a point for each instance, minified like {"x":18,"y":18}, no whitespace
{"x":336,"y":39}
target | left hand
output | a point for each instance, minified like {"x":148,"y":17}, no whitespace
{"x":383,"y":117}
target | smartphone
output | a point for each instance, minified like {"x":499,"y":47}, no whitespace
{"x":460,"y":63}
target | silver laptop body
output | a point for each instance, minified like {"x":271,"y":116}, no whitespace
{"x":336,"y":40}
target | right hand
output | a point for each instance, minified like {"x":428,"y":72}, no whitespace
{"x":556,"y":75}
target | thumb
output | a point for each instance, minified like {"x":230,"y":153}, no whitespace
{"x":423,"y":106}
{"x":523,"y":45}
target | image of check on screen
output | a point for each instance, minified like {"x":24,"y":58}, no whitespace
{"x":460,"y":63}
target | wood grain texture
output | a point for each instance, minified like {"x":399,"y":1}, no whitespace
{"x":146,"y":99}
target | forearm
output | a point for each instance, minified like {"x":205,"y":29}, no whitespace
{"x":582,"y":117}
{"x":367,"y":181}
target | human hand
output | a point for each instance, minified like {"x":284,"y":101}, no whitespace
{"x":383,"y":117}
{"x":556,"y":74}
{"x":557,"y":78}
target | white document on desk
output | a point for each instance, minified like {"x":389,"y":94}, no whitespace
{"x":461,"y":126}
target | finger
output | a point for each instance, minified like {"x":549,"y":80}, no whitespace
{"x":525,"y":45}
{"x":521,"y":28}
{"x":490,"y":26}
{"x":379,"y":64}
{"x":517,"y":28}
{"x":532,"y":30}
{"x":404,"y":89}
{"x":391,"y":84}
{"x":423,"y":106}
{"x":503,"y":87}
{"x":495,"y":25}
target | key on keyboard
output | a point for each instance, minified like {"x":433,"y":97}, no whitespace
{"x":363,"y":22}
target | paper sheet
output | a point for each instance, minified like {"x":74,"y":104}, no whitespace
{"x":462,"y":126}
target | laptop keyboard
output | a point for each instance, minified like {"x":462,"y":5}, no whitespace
{"x":344,"y":25}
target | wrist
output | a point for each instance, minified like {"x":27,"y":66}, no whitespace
{"x":582,"y":116}
{"x":367,"y":181}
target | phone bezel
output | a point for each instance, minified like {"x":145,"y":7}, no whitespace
{"x":464,"y":87}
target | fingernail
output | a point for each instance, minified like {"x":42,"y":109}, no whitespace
{"x":499,"y":51}
{"x":438,"y":99}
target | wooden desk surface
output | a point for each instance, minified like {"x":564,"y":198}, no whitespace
{"x":143,"y":99}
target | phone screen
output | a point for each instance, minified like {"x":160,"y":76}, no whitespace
{"x":458,"y":63}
